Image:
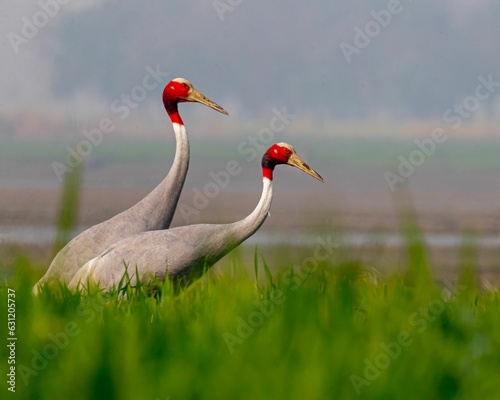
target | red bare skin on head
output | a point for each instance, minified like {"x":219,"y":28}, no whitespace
{"x":174,"y":93}
{"x":275,"y":155}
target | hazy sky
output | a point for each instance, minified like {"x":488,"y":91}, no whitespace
{"x":343,"y":59}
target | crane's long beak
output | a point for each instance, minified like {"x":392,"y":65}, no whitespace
{"x":297,"y":162}
{"x":194,"y":95}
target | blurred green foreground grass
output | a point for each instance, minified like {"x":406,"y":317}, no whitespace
{"x":322,"y":331}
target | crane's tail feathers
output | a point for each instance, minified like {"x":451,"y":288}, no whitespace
{"x":36,"y":289}
{"x":83,"y":279}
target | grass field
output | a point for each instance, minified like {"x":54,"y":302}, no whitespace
{"x":323,"y":330}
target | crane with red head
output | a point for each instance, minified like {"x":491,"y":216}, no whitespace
{"x":183,"y":254}
{"x":153,"y":212}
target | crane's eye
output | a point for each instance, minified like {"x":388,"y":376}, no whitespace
{"x":286,"y":151}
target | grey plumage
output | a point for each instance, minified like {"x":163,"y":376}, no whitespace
{"x":153,"y":212}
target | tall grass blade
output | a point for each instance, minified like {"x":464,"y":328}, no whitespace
{"x":468,"y":261}
{"x":256,"y":265}
{"x":68,"y":209}
{"x":418,"y":269}
{"x":269,"y":276}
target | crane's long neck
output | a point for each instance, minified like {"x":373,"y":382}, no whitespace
{"x":241,"y":230}
{"x":159,"y":206}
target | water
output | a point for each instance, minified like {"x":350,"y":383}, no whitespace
{"x":43,"y":235}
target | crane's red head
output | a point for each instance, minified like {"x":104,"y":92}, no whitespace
{"x":176,"y":90}
{"x":283,"y":153}
{"x":180,"y":90}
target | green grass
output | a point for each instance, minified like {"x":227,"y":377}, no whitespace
{"x":321,"y":331}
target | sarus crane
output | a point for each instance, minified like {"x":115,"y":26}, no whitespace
{"x":182,"y":254}
{"x":153,"y":212}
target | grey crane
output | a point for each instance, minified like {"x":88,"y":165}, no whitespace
{"x":153,"y":212}
{"x":182,"y":254}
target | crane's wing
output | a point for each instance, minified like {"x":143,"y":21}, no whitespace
{"x":181,"y":254}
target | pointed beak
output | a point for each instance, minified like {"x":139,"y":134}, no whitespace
{"x":194,"y":95}
{"x":297,"y":162}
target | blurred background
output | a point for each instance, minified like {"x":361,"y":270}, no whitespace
{"x":395,"y":103}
